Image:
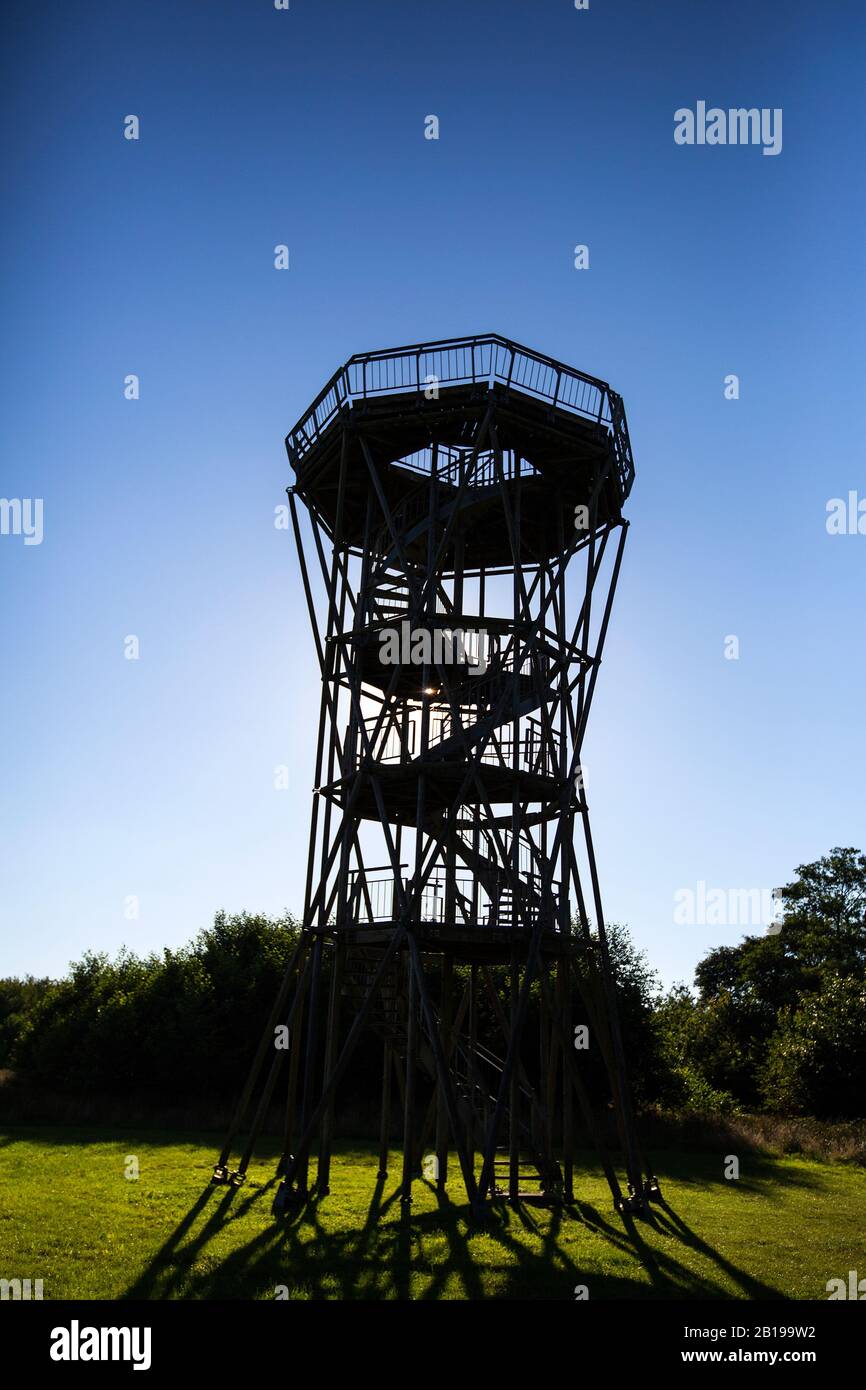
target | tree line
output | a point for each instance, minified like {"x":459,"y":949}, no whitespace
{"x":775,"y":1024}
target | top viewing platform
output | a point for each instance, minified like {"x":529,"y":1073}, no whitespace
{"x":489,"y":363}
{"x":478,"y":413}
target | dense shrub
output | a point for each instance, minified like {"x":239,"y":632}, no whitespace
{"x":181,"y":1023}
{"x":816,"y":1061}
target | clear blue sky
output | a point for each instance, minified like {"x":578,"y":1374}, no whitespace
{"x":155,"y":257}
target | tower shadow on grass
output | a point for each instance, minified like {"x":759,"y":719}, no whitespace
{"x":519,"y":1252}
{"x":166,"y":1272}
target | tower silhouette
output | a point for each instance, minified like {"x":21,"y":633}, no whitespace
{"x":448,"y":491}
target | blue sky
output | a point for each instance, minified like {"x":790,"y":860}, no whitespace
{"x":154,"y":777}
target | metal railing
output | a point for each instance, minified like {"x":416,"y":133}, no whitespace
{"x":502,"y":910}
{"x":481,"y":361}
{"x":453,"y":464}
{"x":536,"y":752}
{"x":397,"y":744}
{"x":372,"y":898}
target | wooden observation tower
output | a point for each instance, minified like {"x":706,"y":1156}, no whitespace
{"x":443,"y":495}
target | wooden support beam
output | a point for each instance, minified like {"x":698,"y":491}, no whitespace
{"x":385,"y":1122}
{"x":338,"y":963}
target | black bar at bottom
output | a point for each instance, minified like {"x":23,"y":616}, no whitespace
{"x":152,"y":1338}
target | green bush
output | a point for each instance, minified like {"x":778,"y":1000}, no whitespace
{"x":816,"y":1061}
{"x":182,"y":1023}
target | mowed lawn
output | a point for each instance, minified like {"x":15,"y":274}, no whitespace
{"x":70,"y":1216}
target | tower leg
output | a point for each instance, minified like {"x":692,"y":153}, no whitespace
{"x":329,"y":1082}
{"x":323,"y":1172}
{"x":552,"y":1067}
{"x":473,"y":1098}
{"x":563,"y":987}
{"x":409,"y":1104}
{"x":266,"y":1042}
{"x":514,"y":1094}
{"x":441,"y":1107}
{"x":385,"y":1122}
{"x":265,"y":1098}
{"x":302,"y":1175}
{"x":294,"y":1073}
{"x":632,"y":1158}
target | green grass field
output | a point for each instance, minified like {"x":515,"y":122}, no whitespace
{"x":69,"y":1216}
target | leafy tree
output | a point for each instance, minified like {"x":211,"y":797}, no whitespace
{"x":748,"y":992}
{"x":816,"y":1061}
{"x":825,"y":914}
{"x":17,"y":998}
{"x":696,"y":1047}
{"x":178,"y":1024}
{"x":637,"y":991}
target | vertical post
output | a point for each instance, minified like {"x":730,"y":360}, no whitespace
{"x":558,"y":583}
{"x":634,"y":1167}
{"x":385,"y":1124}
{"x":476,"y":832}
{"x":441,"y":1108}
{"x":513,"y":1117}
{"x":472,"y":1119}
{"x":450,"y":911}
{"x":542,"y":1137}
{"x":294,"y":1071}
{"x":398,"y":850}
{"x":409,"y":1104}
{"x":302,"y":1174}
{"x":549,"y":1081}
{"x":563,"y":983}
{"x":323,"y":1171}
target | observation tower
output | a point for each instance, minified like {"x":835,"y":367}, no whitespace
{"x":443,"y":495}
